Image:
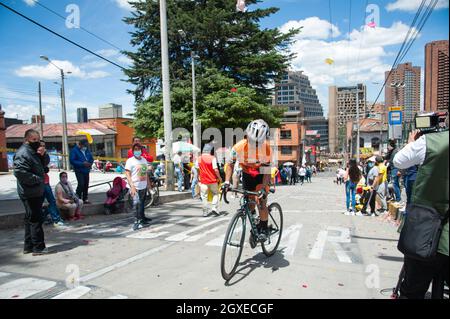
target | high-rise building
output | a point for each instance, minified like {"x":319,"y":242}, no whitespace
{"x":82,"y":115}
{"x":403,"y":90}
{"x":110,"y":110}
{"x":295,"y":93}
{"x":436,"y":76}
{"x":341,"y":109}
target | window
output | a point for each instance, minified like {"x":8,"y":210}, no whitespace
{"x":124,"y":153}
{"x":286,"y":150}
{"x":285,"y":135}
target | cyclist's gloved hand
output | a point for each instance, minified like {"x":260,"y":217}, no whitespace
{"x":226,"y":186}
{"x":263,"y":193}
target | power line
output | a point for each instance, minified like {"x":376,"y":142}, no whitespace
{"x":61,"y":36}
{"x":406,"y":42}
{"x":84,"y":29}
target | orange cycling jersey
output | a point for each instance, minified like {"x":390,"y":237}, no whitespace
{"x":250,"y":157}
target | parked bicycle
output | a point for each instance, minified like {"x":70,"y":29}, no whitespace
{"x":235,"y":235}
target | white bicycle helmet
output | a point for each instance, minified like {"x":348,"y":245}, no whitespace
{"x":258,"y":131}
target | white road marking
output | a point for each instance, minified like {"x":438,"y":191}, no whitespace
{"x":155,"y":232}
{"x":125,"y":262}
{"x":74,"y":293}
{"x":4,"y":274}
{"x":290,"y":239}
{"x":184,"y":235}
{"x":216,"y":241}
{"x":313,"y":211}
{"x":108,"y":230}
{"x":201,"y":235}
{"x":344,"y":236}
{"x":341,"y":254}
{"x":24,"y":288}
{"x":317,"y":250}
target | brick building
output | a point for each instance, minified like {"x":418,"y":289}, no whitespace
{"x":436,"y":87}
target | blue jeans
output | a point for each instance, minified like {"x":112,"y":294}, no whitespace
{"x":396,"y":183}
{"x":194,"y":183}
{"x":350,"y":190}
{"x":179,"y":177}
{"x":52,"y":209}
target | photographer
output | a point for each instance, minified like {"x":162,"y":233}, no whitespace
{"x":430,"y":195}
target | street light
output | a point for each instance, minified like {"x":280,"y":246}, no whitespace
{"x":65,"y":143}
{"x":194,"y":96}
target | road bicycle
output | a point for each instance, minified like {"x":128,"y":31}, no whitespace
{"x":235,"y":235}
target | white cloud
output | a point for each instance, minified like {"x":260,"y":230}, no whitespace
{"x":124,"y":4}
{"x":413,"y":5}
{"x":313,"y":28}
{"x":125,"y":60}
{"x":95,"y":64}
{"x":50,"y":72}
{"x":30,"y":2}
{"x":357,"y":58}
{"x":107,"y":53}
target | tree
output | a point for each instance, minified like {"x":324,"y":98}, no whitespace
{"x":221,"y":104}
{"x":225,"y":39}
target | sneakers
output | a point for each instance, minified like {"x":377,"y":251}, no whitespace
{"x":44,"y":251}
{"x":139,"y":225}
{"x":359,"y":214}
{"x":27,"y":251}
{"x":347,"y":213}
{"x":205,"y":213}
{"x":146,"y":221}
{"x":59,"y":224}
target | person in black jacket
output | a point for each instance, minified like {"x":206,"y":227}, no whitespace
{"x":29,"y":171}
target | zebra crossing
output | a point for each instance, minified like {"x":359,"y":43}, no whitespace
{"x":13,"y":286}
{"x":330,"y":241}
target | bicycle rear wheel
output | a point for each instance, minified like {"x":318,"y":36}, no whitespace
{"x":233,"y":245}
{"x":275,"y":225}
{"x":149,"y":199}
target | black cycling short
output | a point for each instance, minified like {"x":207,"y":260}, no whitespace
{"x":249,"y":182}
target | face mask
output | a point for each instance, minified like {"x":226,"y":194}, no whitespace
{"x":137,"y":153}
{"x":370,"y":165}
{"x":35,"y":145}
{"x":64,"y":180}
{"x":84,"y":148}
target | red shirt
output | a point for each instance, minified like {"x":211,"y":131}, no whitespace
{"x":206,"y":164}
{"x":145,"y":155}
{"x":46,"y":179}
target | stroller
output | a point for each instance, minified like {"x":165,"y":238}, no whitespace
{"x":116,"y":197}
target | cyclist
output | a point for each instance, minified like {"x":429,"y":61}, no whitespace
{"x":254,"y":156}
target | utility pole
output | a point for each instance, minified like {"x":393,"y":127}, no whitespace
{"x":166,"y":94}
{"x":41,"y":127}
{"x":357,"y":124}
{"x":194,"y":102}
{"x":65,"y":142}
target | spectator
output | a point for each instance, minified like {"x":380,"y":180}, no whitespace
{"x":294,"y":175}
{"x":138,"y":181}
{"x":67,"y":200}
{"x":352,"y":177}
{"x":209,"y":179}
{"x":194,"y":182}
{"x":145,"y":154}
{"x":302,"y":174}
{"x":289,"y":175}
{"x":48,"y":193}
{"x":29,"y":172}
{"x":393,"y":172}
{"x":374,"y":178}
{"x":314,"y":170}
{"x":81,"y":159}
{"x":383,"y":188}
{"x":431,"y":189}
{"x":308,"y":174}
{"x":274,"y":173}
{"x":179,"y":174}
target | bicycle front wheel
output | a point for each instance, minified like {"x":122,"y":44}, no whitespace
{"x":275,"y":225}
{"x":233,"y":245}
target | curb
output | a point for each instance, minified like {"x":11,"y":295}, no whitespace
{"x":16,"y":219}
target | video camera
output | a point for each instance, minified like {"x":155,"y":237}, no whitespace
{"x":431,"y":122}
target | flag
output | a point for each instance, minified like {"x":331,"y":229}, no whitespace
{"x":240,"y":6}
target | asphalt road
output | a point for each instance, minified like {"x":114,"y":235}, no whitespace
{"x":323,"y":254}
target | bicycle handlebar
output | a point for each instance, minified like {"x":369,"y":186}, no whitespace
{"x":242,"y":191}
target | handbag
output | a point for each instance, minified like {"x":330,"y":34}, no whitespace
{"x":421,"y":232}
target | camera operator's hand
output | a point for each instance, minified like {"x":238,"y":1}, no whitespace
{"x":414,"y":135}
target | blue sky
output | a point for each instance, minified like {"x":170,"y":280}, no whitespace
{"x":360,"y":56}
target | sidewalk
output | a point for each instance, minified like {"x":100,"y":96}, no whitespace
{"x":12,"y":211}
